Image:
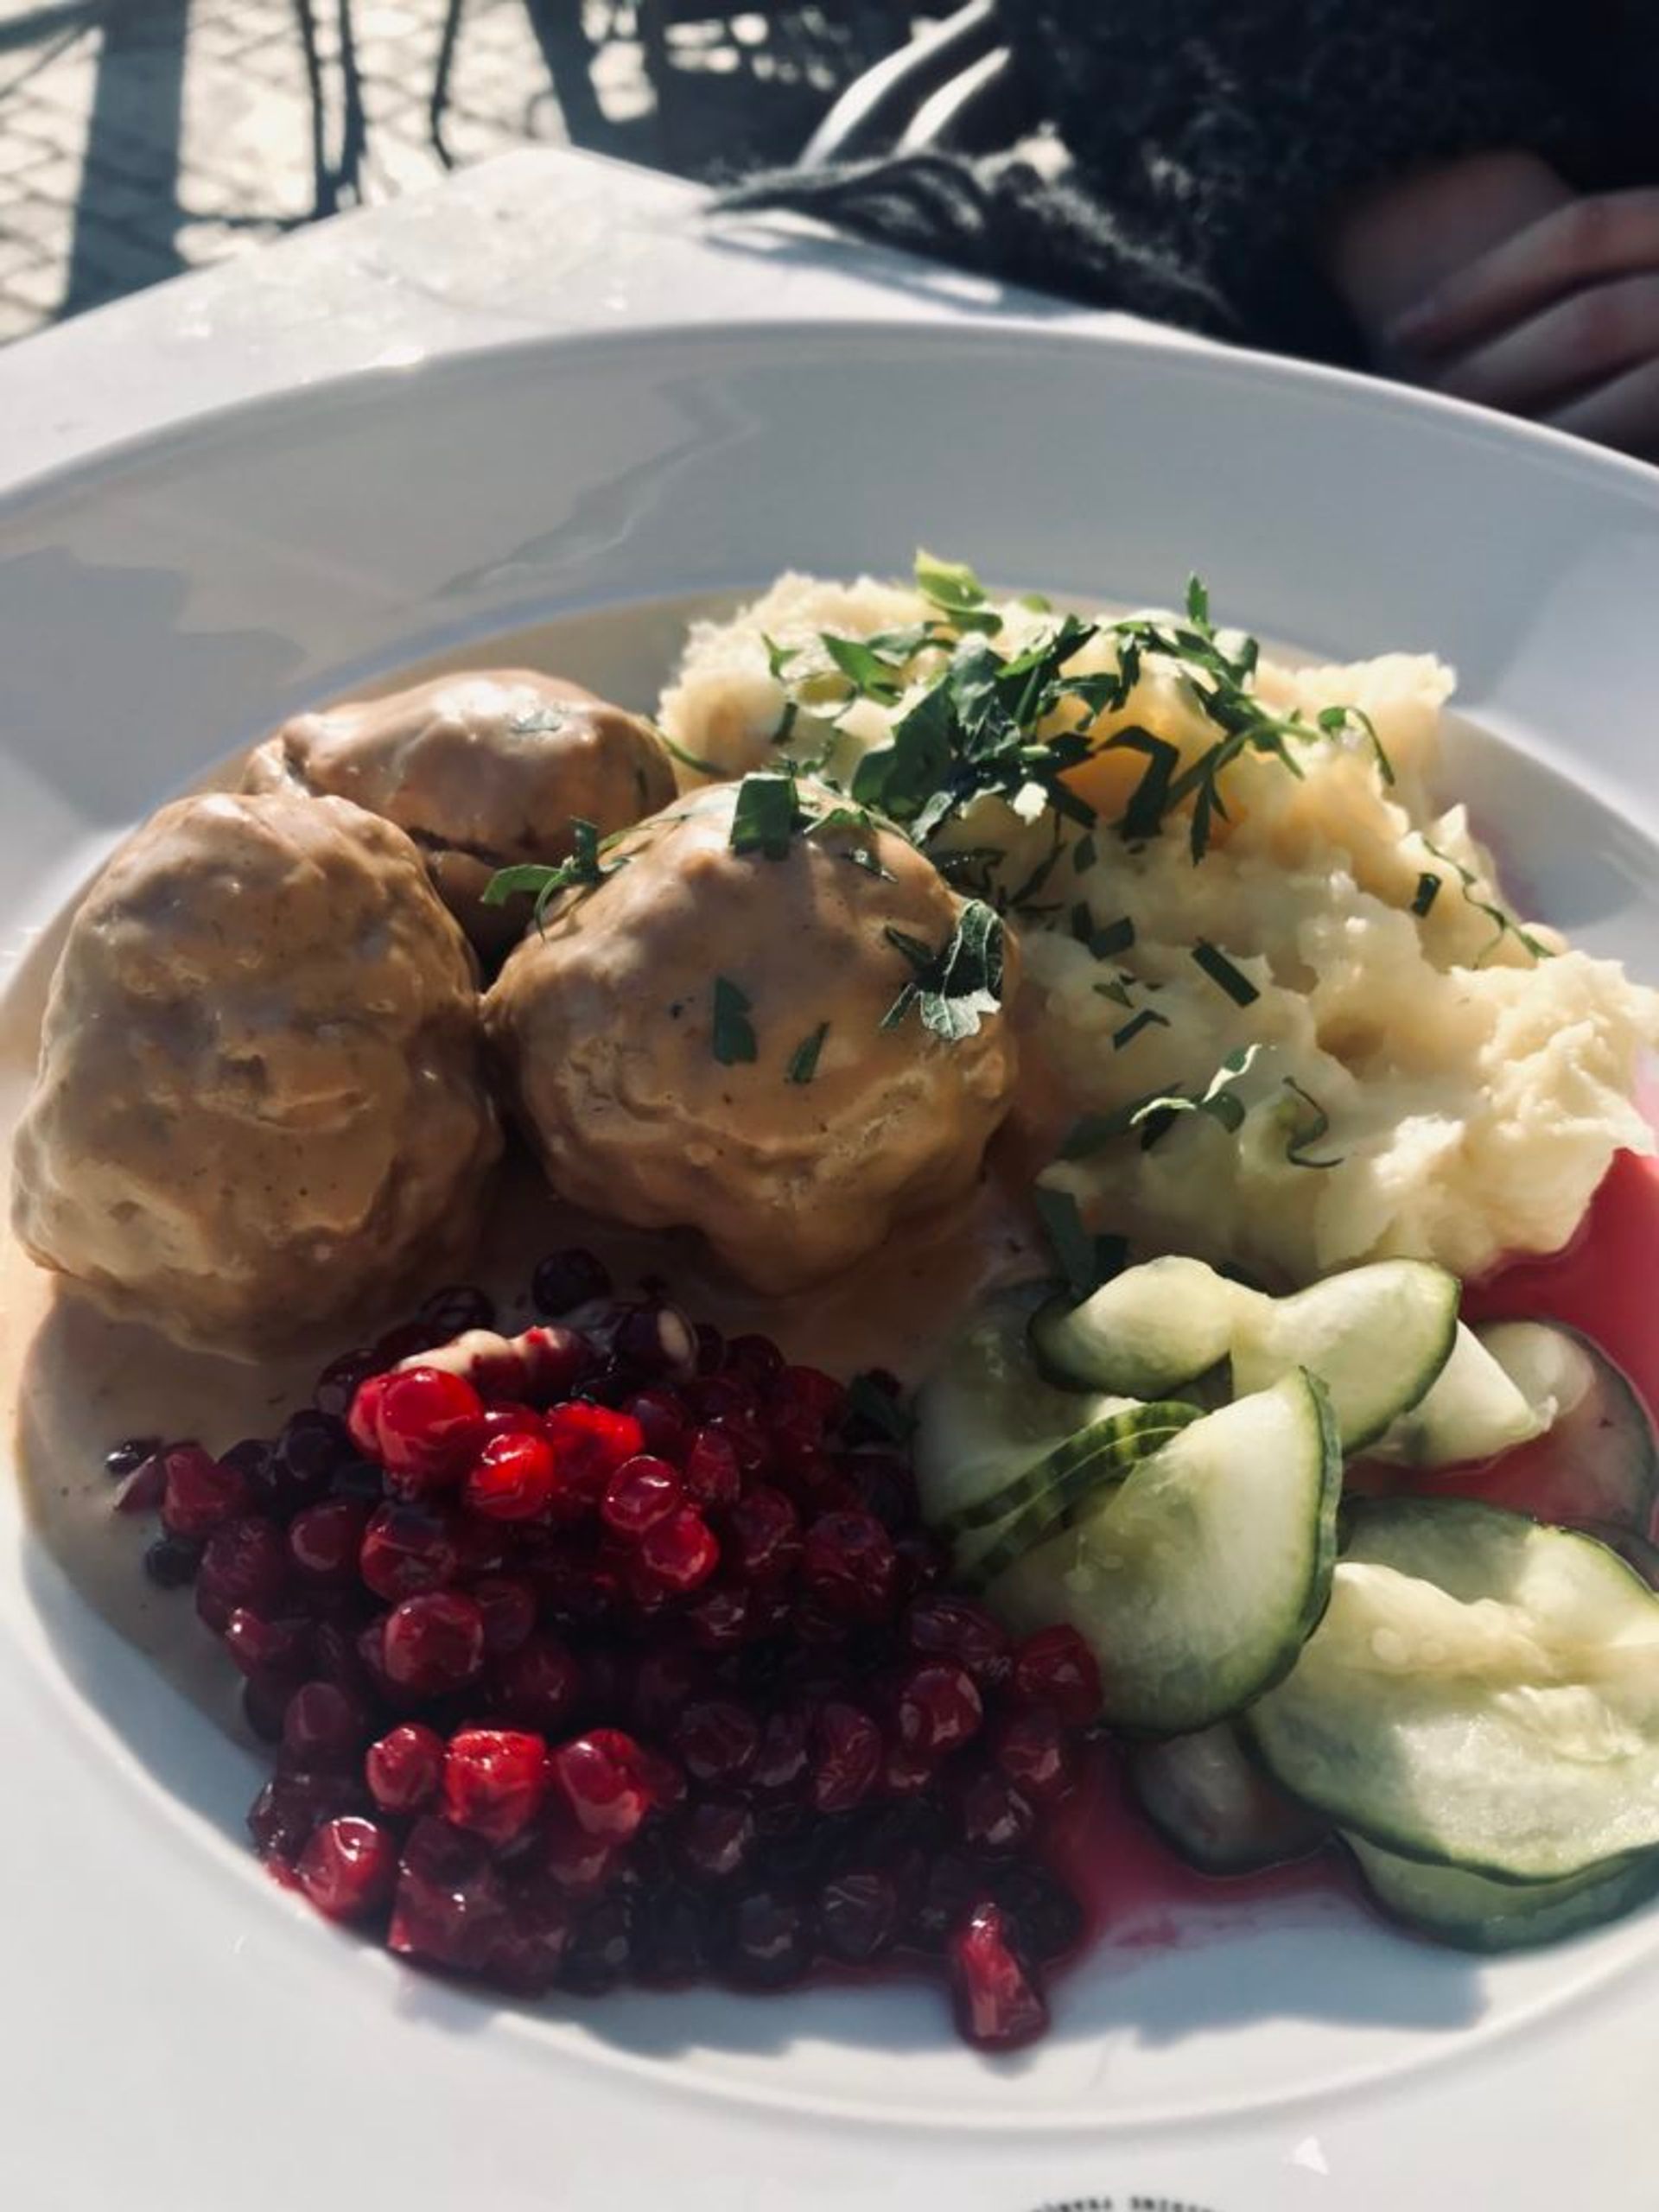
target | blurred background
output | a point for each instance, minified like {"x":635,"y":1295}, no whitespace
{"x":141,"y":137}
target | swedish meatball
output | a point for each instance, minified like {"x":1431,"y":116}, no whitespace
{"x":259,"y":1108}
{"x":484,"y":770}
{"x":700,"y":1040}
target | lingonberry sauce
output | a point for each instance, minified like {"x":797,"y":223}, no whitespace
{"x":617,"y":1652}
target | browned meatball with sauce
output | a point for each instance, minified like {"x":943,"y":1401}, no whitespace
{"x":645,"y":1106}
{"x":484,"y":770}
{"x":260,"y":1107}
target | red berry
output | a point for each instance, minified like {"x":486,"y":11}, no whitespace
{"x":995,"y":1817}
{"x":858,"y":1913}
{"x":244,"y":1563}
{"x":525,"y":1953}
{"x":955,"y":1627}
{"x":448,"y":1906}
{"x":802,"y":1404}
{"x":324,"y":1540}
{"x":716,"y":1837}
{"x":493,"y":1781}
{"x":755,"y":1359}
{"x":589,"y":1444}
{"x":998,"y":2004}
{"x":405,"y":1768}
{"x":846,"y":1756}
{"x":640,"y":1493}
{"x":363,"y":1420}
{"x":514,"y":1478}
{"x":782,"y":1759}
{"x":433,"y":1643}
{"x":717,"y":1740}
{"x":429,"y":1424}
{"x":263,"y":1647}
{"x":938,"y":1709}
{"x":1030,"y":1745}
{"x":511,"y":1419}
{"x":509,"y":1610}
{"x":201,"y":1493}
{"x":408,"y":1550}
{"x":663,"y":1421}
{"x":597,"y":1780}
{"x":539,"y":1685}
{"x":679,"y":1552}
{"x":764,"y":1536}
{"x":1056,"y":1666}
{"x":322,"y":1726}
{"x":848,"y":1565}
{"x":712,"y":1474}
{"x":347,"y":1869}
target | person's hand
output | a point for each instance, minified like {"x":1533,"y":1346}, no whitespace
{"x":1558,"y":322}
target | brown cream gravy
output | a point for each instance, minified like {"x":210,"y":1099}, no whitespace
{"x":73,"y":1383}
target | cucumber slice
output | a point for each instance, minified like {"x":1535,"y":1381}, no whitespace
{"x":1474,"y":1408}
{"x":990,"y":1537}
{"x":1598,"y":1461}
{"x":1145,"y":1333}
{"x":1482,"y":1692}
{"x":1636,"y":1552}
{"x":1376,"y":1336}
{"x":1199,"y":1576}
{"x":1215,"y":1808}
{"x":1478,"y":1913}
{"x":985,"y":1415}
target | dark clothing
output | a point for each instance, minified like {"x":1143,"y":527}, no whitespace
{"x":1209,"y":139}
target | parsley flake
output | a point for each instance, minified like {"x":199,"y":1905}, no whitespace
{"x":1086,"y":1260}
{"x":1221,"y":971}
{"x":767,"y":813}
{"x":1427,"y":891}
{"x":1502,"y":924}
{"x":1307,"y":1130}
{"x":585,"y":868}
{"x":954,"y":986}
{"x":804,"y":1060}
{"x":734,"y":1032}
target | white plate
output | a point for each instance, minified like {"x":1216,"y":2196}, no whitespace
{"x":174,"y":2031}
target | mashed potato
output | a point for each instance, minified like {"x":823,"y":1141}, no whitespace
{"x":1448,"y":1083}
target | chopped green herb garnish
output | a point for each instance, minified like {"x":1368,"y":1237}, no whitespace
{"x":711,"y":768}
{"x":1156,"y":1112}
{"x":1071,"y":1243}
{"x":585,"y":868}
{"x":1147,"y":1018}
{"x":1105,"y":943}
{"x":1221,"y":971}
{"x":804,"y":1060}
{"x":1144,"y":814}
{"x":734,"y":1032}
{"x":1085,"y":854}
{"x":870,"y":674}
{"x":780,"y":660}
{"x":1427,"y":891}
{"x":1034,"y":603}
{"x":1503,"y":924}
{"x":1309,"y":1129}
{"x":954,"y":986}
{"x":767,"y":813}
{"x":956,"y":591}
